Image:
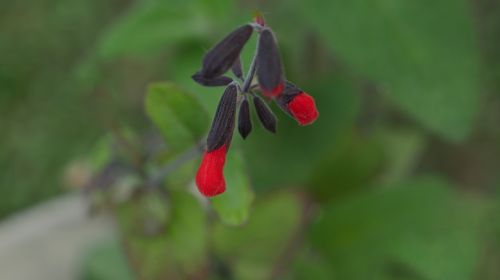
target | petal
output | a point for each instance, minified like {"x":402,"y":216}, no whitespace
{"x":303,"y":108}
{"x":210,"y":176}
{"x":298,"y":104}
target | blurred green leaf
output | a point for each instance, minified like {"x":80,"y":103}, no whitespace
{"x":350,"y":166}
{"x":106,"y":262}
{"x":180,"y":118}
{"x":418,"y":228}
{"x":100,"y":154}
{"x":402,"y":151}
{"x":420,"y":53}
{"x":152,"y":25}
{"x":291,"y":156}
{"x":179,"y":250}
{"x":253,"y":248}
{"x":233,"y":205}
{"x":310,"y":265}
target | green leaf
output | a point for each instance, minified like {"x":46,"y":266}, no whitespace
{"x":152,"y":25}
{"x":178,"y":250}
{"x":100,"y":154}
{"x":402,"y":150}
{"x":348,"y":167}
{"x":181,"y":119}
{"x":233,"y":205}
{"x":310,"y":266}
{"x":421,"y":54}
{"x":253,"y":248}
{"x":291,"y":156}
{"x":106,"y":262}
{"x":418,"y":229}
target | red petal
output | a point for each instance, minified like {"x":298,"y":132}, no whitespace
{"x":210,"y":175}
{"x":274,"y":92}
{"x":259,"y":18}
{"x":303,"y":108}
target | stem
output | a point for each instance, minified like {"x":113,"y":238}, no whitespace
{"x":251,"y":71}
{"x":190,"y":154}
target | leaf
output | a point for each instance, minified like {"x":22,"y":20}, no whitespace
{"x":178,"y":250}
{"x":100,"y":154}
{"x":421,"y":228}
{"x":233,"y":205}
{"x":307,"y":265}
{"x":253,"y":248}
{"x":348,"y":167}
{"x":106,"y":261}
{"x":289,"y":157}
{"x":150,"y":26}
{"x":402,"y":150}
{"x":180,"y":118}
{"x":421,"y":54}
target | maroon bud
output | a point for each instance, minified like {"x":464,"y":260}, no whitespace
{"x":269,"y":67}
{"x":265,"y":114}
{"x":221,"y":57}
{"x":237,"y":68}
{"x":222,"y":128}
{"x":244,"y":121}
{"x":214,"y":82}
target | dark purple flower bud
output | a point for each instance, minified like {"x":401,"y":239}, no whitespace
{"x":214,"y":82}
{"x":221,"y":57}
{"x":269,"y":67}
{"x":222,"y":128}
{"x":265,"y":114}
{"x":244,"y":121}
{"x":237,"y":68}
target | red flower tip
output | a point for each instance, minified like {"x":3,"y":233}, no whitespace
{"x":275,"y":91}
{"x":303,"y":108}
{"x":210,"y":175}
{"x":259,"y":18}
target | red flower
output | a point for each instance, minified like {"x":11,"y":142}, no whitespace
{"x":303,"y":108}
{"x":210,"y":175}
{"x":268,"y":68}
{"x":298,"y":104}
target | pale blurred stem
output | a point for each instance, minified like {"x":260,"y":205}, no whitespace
{"x":128,"y":147}
{"x":157,"y":178}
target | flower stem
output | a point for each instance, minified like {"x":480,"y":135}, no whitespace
{"x":251,"y":70}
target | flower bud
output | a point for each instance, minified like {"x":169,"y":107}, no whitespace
{"x":244,"y":121}
{"x":214,"y":82}
{"x":221,"y":57}
{"x":222,"y":128}
{"x":237,"y":69}
{"x":269,"y":67}
{"x":265,"y":114}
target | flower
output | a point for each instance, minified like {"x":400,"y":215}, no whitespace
{"x":268,"y":67}
{"x":298,"y":104}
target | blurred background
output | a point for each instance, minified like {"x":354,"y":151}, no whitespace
{"x":398,"y":178}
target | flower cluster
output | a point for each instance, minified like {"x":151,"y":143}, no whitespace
{"x":271,"y":83}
